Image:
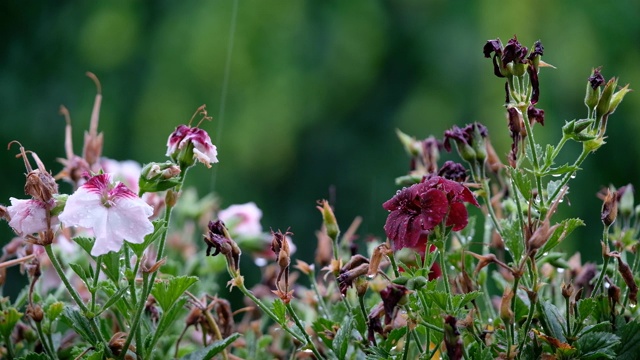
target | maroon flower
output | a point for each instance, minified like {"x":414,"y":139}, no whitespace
{"x":596,"y":79}
{"x":453,"y":171}
{"x":514,"y":52}
{"x":418,"y":209}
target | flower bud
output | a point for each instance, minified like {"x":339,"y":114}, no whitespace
{"x":625,"y":200}
{"x":609,"y":208}
{"x":35,"y":312}
{"x":605,"y":98}
{"x":329,"y":220}
{"x":593,"y":89}
{"x":617,"y":98}
{"x":567,"y":290}
{"x":411,"y":145}
{"x":159,"y":177}
{"x":505,"y":306}
{"x":627,"y":276}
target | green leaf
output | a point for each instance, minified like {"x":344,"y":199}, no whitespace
{"x":523,"y":184}
{"x":566,"y":226}
{"x":212,"y":350}
{"x":548,"y":156}
{"x":512,"y":235}
{"x":35,"y":356}
{"x":629,"y":341}
{"x":85,"y":243}
{"x":168,"y":291}
{"x":586,"y":308}
{"x":8,"y":320}
{"x":159,"y":228}
{"x":437,"y":297}
{"x":280,"y":310}
{"x":79,"y":270}
{"x":166,"y":320}
{"x":115,"y":297}
{"x":528,"y":154}
{"x":552,"y":186}
{"x":394,"y":336}
{"x":54,"y":310}
{"x":461,"y":300}
{"x":552,"y":321}
{"x":597,"y":345}
{"x":73,"y":318}
{"x":111,"y":265}
{"x":561,"y":170}
{"x":342,"y":339}
{"x":322,"y":325}
{"x":96,"y":355}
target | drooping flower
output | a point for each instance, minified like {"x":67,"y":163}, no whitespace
{"x":243,"y":219}
{"x":113,"y":211}
{"x":186,"y":144}
{"x":418,"y":209}
{"x":29,"y":216}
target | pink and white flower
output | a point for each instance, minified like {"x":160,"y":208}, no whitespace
{"x":29,"y":216}
{"x":127,"y":171}
{"x":183,"y":136}
{"x":113,"y":211}
{"x":242,"y":219}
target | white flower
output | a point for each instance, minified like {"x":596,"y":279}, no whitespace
{"x":242,"y":219}
{"x":114,"y":212}
{"x":29,"y":216}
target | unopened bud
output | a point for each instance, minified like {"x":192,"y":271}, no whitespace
{"x":627,"y":276}
{"x":617,"y":98}
{"x":567,"y":290}
{"x":605,"y":98}
{"x":159,"y":177}
{"x":411,"y":145}
{"x":35,"y":312}
{"x":593,"y":89}
{"x":329,"y":219}
{"x":505,"y":306}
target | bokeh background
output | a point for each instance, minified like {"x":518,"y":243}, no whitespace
{"x":306,"y":95}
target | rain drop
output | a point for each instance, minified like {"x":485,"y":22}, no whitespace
{"x":260,"y":261}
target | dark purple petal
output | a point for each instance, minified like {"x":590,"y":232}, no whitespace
{"x":492,"y":46}
{"x":535,"y":84}
{"x":453,"y":171}
{"x":538,"y":50}
{"x":458,"y":217}
{"x":514,"y":52}
{"x":535,"y":115}
{"x":456,"y":134}
{"x":596,"y":79}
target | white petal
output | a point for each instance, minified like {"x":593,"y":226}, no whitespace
{"x":82,"y":209}
{"x":27,"y":216}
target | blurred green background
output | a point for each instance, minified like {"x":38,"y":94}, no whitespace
{"x":315,"y":90}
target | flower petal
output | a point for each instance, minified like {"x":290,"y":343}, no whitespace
{"x":458,"y":217}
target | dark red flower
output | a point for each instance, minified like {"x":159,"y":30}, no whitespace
{"x":514,"y":52}
{"x":596,"y":79}
{"x":418,"y":209}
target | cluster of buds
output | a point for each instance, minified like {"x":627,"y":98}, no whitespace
{"x":280,"y":246}
{"x":471,"y":144}
{"x":602,"y":99}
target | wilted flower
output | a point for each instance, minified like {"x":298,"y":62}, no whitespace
{"x":220,"y":240}
{"x":469,"y":141}
{"x":392,"y":296}
{"x":418,"y":209}
{"x":113,"y":211}
{"x":30,"y":216}
{"x":453,"y":171}
{"x":243,"y":219}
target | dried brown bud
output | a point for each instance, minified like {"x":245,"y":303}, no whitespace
{"x":540,"y":236}
{"x":505,"y":306}
{"x":614,"y":294}
{"x":117,"y":342}
{"x":220,"y":240}
{"x":224,"y":316}
{"x":609,"y":208}
{"x":627,"y":276}
{"x":346,"y":277}
{"x":93,"y":140}
{"x":35,"y":312}
{"x":324,"y":249}
{"x":567,"y":290}
{"x":379,"y":253}
{"x":304,"y":267}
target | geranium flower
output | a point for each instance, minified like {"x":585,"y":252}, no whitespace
{"x":188,"y":143}
{"x":29,"y":216}
{"x":243,"y":219}
{"x":418,"y":209}
{"x":113,"y":211}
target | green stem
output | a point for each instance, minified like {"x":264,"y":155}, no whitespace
{"x":605,"y":265}
{"x":569,"y":319}
{"x":486,"y":195}
{"x":511,"y":325}
{"x":394,"y":265}
{"x":445,"y":278}
{"x":407,"y":341}
{"x":321,"y":303}
{"x":65,"y":281}
{"x":95,"y":283}
{"x":568,"y":176}
{"x":310,"y":342}
{"x":45,"y":344}
{"x":9,"y":346}
{"x":534,"y":155}
{"x":526,"y":327}
{"x":136,"y":319}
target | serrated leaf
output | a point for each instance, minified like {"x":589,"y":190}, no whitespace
{"x":54,"y":310}
{"x":522,"y":182}
{"x":586,"y":308}
{"x":599,"y":327}
{"x":548,"y":156}
{"x":115,"y":297}
{"x":461,"y":300}
{"x":279,"y":309}
{"x":528,"y":154}
{"x":322,"y":325}
{"x":159,"y":228}
{"x":512,"y":235}
{"x":561,"y":170}
{"x":35,"y":356}
{"x":566,"y":227}
{"x":439,"y":298}
{"x":96,"y":355}
{"x":597,"y":345}
{"x":212,"y":350}
{"x":553,"y":322}
{"x":552,"y":186}
{"x":342,"y":339}
{"x":8,"y":320}
{"x":73,"y":318}
{"x":629,"y":341}
{"x":85,"y":243}
{"x":165,"y":322}
{"x":111,"y":265}
{"x":79,"y":270}
{"x":168,"y":291}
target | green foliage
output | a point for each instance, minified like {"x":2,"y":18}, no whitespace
{"x":212,"y":350}
{"x":167,"y":292}
{"x":598,"y":345}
